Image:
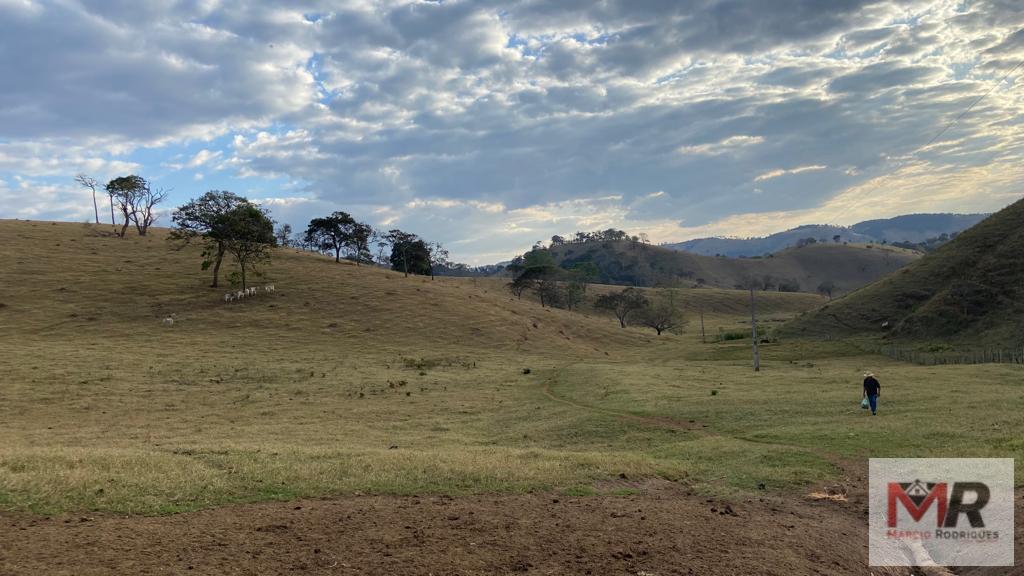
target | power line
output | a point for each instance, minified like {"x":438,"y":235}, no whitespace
{"x":881,"y":179}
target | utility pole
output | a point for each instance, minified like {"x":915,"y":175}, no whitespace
{"x":702,"y":339}
{"x":753,"y":327}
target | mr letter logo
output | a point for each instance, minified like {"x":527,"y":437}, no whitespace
{"x":961,"y":516}
{"x":917,"y":498}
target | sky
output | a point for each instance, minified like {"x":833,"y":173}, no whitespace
{"x":490,"y":125}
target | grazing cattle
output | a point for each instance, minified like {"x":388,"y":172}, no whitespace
{"x":229,"y":297}
{"x":269,"y":288}
{"x":240,"y":295}
{"x":168,"y":322}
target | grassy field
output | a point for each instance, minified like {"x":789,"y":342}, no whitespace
{"x":357,"y":380}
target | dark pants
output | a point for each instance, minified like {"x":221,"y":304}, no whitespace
{"x":873,"y":400}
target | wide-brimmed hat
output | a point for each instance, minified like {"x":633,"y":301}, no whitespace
{"x":868,"y":374}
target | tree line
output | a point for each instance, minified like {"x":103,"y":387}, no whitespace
{"x":227,"y":224}
{"x":558,"y":287}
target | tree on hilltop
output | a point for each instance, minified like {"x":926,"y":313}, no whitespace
{"x":206,"y":218}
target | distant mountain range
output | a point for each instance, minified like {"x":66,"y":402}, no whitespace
{"x":912,"y":228}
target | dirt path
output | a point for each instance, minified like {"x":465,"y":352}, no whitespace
{"x":661,"y":531}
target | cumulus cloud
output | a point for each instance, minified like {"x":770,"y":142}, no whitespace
{"x":492,"y":124}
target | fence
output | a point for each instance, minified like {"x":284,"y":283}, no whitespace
{"x":977,"y":356}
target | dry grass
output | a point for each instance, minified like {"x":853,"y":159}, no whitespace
{"x":354,"y":379}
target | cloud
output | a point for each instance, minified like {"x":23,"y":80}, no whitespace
{"x":715,"y":148}
{"x":783,"y":172}
{"x":490,"y":125}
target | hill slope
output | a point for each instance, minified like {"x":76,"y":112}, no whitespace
{"x":968,"y":292}
{"x":913,"y":228}
{"x":848,"y":267}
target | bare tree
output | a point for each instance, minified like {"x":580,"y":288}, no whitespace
{"x":90,"y":183}
{"x":144,"y":213}
{"x":438,"y":256}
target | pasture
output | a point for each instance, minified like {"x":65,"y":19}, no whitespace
{"x":355,"y":380}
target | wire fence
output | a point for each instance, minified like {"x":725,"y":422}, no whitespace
{"x":976,"y":356}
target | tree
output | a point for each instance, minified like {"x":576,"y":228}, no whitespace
{"x":790,"y":285}
{"x":126,"y":192}
{"x":144,"y":212}
{"x":359,"y":242}
{"x":519,"y":285}
{"x":549,"y":292}
{"x":90,"y":183}
{"x":837,"y":238}
{"x":409,"y":253}
{"x":576,"y":288}
{"x":827,"y":288}
{"x":283,"y":235}
{"x":438,"y":256}
{"x":664,"y":313}
{"x":332,"y":233}
{"x":623,"y":303}
{"x":250,"y":236}
{"x":136,"y":200}
{"x":767,"y":282}
{"x":206,"y":218}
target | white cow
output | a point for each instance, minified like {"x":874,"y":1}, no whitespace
{"x":239,"y":295}
{"x":269,"y":288}
{"x":229,"y":297}
{"x":168,"y":322}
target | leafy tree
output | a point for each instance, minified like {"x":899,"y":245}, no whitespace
{"x":250,"y":236}
{"x":827,"y":288}
{"x":409,"y":253}
{"x":767,"y":282}
{"x":549,"y":291}
{"x":790,"y":285}
{"x":576,"y":288}
{"x":519,"y":285}
{"x":359,"y":242}
{"x":664,"y":313}
{"x":205,"y":218}
{"x":332,"y":233}
{"x":623,"y":303}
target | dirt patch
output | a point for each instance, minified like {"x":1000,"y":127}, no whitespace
{"x":662,"y":531}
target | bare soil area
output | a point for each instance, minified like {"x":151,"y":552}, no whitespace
{"x":661,"y":530}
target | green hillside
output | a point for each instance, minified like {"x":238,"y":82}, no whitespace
{"x":968,"y":293}
{"x":848,"y":267}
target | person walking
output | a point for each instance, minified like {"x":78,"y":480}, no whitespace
{"x":872,"y":390}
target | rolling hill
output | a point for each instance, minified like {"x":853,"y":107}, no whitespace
{"x":909,"y":228}
{"x":847,"y":267}
{"x":746,"y":247}
{"x":968,"y":292}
